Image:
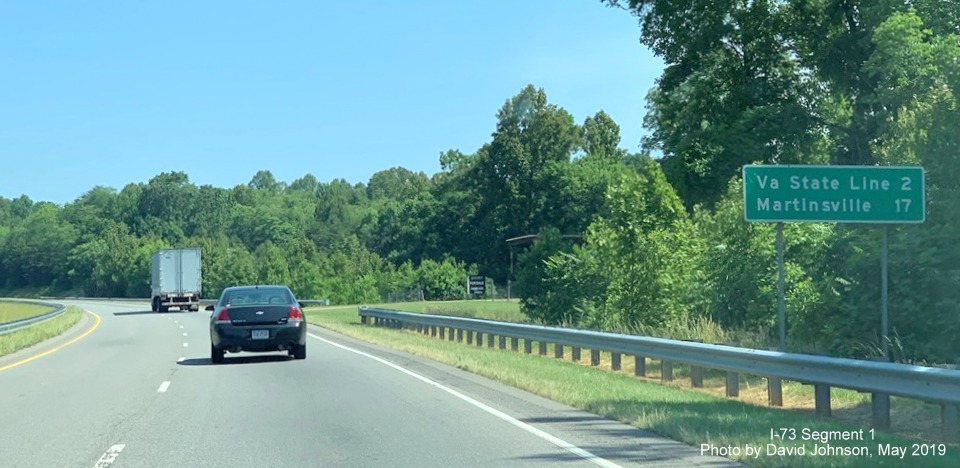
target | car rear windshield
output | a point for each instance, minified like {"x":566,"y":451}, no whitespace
{"x":258,"y":296}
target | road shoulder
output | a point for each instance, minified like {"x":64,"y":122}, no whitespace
{"x":611,"y":440}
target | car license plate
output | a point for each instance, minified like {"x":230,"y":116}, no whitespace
{"x":261,"y":334}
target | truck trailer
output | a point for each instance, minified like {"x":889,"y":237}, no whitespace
{"x":175,"y":280}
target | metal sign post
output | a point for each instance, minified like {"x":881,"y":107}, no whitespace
{"x":781,"y":304}
{"x":884,"y":313}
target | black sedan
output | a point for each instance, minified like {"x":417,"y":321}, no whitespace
{"x":257,"y":319}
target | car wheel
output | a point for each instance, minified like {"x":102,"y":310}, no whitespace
{"x":300,"y":352}
{"x":216,"y":354}
{"x":155,"y":304}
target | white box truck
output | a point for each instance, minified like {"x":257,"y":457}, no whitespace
{"x":176,"y":279}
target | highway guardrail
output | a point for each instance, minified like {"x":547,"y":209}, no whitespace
{"x":881,"y":379}
{"x":16,"y":325}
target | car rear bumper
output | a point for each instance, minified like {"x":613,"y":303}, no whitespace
{"x":239,"y":338}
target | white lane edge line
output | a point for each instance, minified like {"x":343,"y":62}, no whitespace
{"x":109,"y":456}
{"x":499,"y":414}
{"x":164,"y":386}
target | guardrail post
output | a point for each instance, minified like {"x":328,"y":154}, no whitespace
{"x":543,"y":348}
{"x":774,"y":391}
{"x":433,"y":331}
{"x":503,"y":342}
{"x":575,"y":353}
{"x":614,"y":361}
{"x":443,"y":333}
{"x":822,"y":399}
{"x":469,"y":337}
{"x":527,"y":346}
{"x":514,"y":343}
{"x":733,"y":384}
{"x":558,"y":350}
{"x":594,"y":357}
{"x":363,"y":319}
{"x":640,"y":366}
{"x":460,"y":335}
{"x":696,"y":376}
{"x":490,"y":338}
{"x":950,"y":418}
{"x":452,"y":335}
{"x":480,"y":339}
{"x":696,"y":372}
{"x":880,"y":403}
{"x":666,"y":371}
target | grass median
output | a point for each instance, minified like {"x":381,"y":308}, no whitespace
{"x":11,"y":311}
{"x":36,"y":333}
{"x":692,"y":416}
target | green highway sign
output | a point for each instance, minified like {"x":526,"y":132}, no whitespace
{"x":834,"y":194}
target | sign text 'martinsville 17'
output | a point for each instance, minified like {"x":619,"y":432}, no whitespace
{"x":839,"y":194}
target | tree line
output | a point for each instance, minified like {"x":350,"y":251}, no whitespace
{"x":625,"y":241}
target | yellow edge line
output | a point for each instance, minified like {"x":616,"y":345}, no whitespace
{"x":58,"y":348}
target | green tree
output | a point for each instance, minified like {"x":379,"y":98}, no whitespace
{"x":272,"y":267}
{"x":35,"y":250}
{"x":442,"y":280}
{"x":733,"y":92}
{"x":601,"y":136}
{"x":397,"y":183}
{"x":264,"y":181}
{"x":539,"y":298}
{"x":307,"y":183}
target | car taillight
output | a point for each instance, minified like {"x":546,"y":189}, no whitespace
{"x":295,"y":314}
{"x":223,"y":316}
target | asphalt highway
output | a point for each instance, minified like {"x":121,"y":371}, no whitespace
{"x":131,"y":388}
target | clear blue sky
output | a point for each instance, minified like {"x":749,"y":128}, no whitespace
{"x":109,"y":93}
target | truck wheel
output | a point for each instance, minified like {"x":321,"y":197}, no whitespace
{"x":164,"y":308}
{"x":155,"y":304}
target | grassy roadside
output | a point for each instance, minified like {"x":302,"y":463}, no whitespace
{"x":912,"y":418}
{"x":10,"y":311}
{"x":500,"y":310}
{"x":34,"y":334}
{"x":694,"y":417}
